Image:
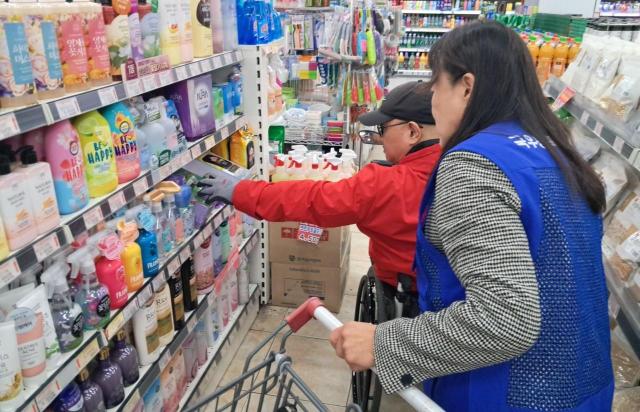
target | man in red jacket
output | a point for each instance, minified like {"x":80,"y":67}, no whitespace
{"x":382,"y":201}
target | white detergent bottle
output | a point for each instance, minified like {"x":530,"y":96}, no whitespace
{"x":296,"y":169}
{"x":348,"y":157}
{"x":280,"y":173}
{"x":315,"y":172}
{"x":332,"y":170}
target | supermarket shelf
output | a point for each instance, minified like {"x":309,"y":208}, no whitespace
{"x":20,"y":120}
{"x":618,"y":14}
{"x":70,"y":365}
{"x":614,"y":132}
{"x":314,"y":142}
{"x":179,"y":255}
{"x":456,"y":12}
{"x":414,"y":49}
{"x":629,"y":315}
{"x":100,"y":208}
{"x":293,"y":10}
{"x":427,"y":29}
{"x":134,"y":393}
{"x":414,"y":73}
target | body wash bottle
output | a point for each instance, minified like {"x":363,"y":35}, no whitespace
{"x":203,"y":266}
{"x":169,"y":12}
{"x":69,"y":400}
{"x":135,"y":32}
{"x":95,"y":35}
{"x":145,"y":332}
{"x":165,"y":316}
{"x":201,"y":28}
{"x":150,"y":28}
{"x":15,"y":210}
{"x":63,"y":153}
{"x":186,"y":34}
{"x":116,"y":19}
{"x":126,"y":357}
{"x":108,"y":376}
{"x":73,"y":50}
{"x":42,"y":194}
{"x":98,"y":154}
{"x":189,"y":288}
{"x":91,"y":393}
{"x":177,"y":299}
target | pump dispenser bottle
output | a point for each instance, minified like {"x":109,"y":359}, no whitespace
{"x":91,"y":393}
{"x":108,"y":376}
{"x":126,"y":357}
{"x":109,"y":266}
{"x":67,"y":315}
{"x":92,"y":296}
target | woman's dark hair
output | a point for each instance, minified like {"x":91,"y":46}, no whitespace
{"x":506,"y":88}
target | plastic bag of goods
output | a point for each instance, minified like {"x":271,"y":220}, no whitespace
{"x":626,"y":400}
{"x":626,"y":367}
{"x":620,"y":99}
{"x":620,"y":245}
{"x":588,"y":147}
{"x":611,"y":170}
{"x":605,"y":71}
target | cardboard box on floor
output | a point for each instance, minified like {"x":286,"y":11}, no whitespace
{"x":300,"y":270}
{"x":284,"y":247}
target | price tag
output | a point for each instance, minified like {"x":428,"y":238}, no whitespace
{"x":185,"y":159}
{"x":144,"y":296}
{"x":207,"y":231}
{"x":48,"y":394}
{"x":9,"y":270}
{"x":195,"y":69}
{"x":618,"y":144}
{"x":191,"y":324}
{"x":88,"y":353}
{"x":224,"y":132}
{"x":140,"y":186}
{"x":210,"y":141}
{"x":164,"y":360}
{"x":584,"y":117}
{"x":133,"y":402}
{"x":181,"y":73}
{"x":67,"y":108}
{"x":309,"y":233}
{"x":32,"y":407}
{"x":92,"y":217}
{"x":211,"y":298}
{"x":155,"y":176}
{"x":8,"y":125}
{"x":217,"y":220}
{"x":217,"y":61}
{"x":598,"y":128}
{"x":130,"y":310}
{"x":133,"y":87}
{"x":159,"y":281}
{"x":115,"y":325}
{"x":166,"y":77}
{"x":107,"y":96}
{"x":185,"y":254}
{"x":206,"y":65}
{"x":199,"y":239}
{"x":117,"y":201}
{"x":165,"y":170}
{"x":150,"y":82}
{"x":173,"y":266}
{"x":195,"y":151}
{"x":46,"y":247}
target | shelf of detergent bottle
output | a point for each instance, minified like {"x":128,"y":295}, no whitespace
{"x":20,"y":120}
{"x":414,"y":49}
{"x":315,"y":142}
{"x":417,"y":73}
{"x":149,"y":373}
{"x":100,"y":208}
{"x":455,"y":12}
{"x":427,"y":29}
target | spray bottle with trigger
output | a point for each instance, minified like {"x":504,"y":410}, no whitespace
{"x":109,"y":267}
{"x":146,"y":239}
{"x":67,"y":315}
{"x":348,"y":166}
{"x":93,"y":296}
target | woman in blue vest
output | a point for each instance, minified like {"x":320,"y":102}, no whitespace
{"x":510,"y":275}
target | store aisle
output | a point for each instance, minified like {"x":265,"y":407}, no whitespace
{"x":313,"y":357}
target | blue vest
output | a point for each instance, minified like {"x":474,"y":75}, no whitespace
{"x":569,"y":366}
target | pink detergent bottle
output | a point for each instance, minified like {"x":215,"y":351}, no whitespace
{"x":63,"y":153}
{"x":109,"y":267}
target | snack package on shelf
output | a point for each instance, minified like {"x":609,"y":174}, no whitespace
{"x":621,"y":241}
{"x":611,"y":169}
{"x":621,"y":97}
{"x":626,"y":367}
{"x":588,"y":146}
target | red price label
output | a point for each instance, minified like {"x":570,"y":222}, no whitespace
{"x":309,"y":233}
{"x":563,"y":98}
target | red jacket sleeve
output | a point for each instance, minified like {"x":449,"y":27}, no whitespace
{"x":326,"y":204}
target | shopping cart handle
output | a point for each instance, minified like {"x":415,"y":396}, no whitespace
{"x":314,"y":308}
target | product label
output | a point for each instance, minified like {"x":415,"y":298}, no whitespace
{"x":150,"y":35}
{"x":178,"y":306}
{"x":98,"y":156}
{"x":73,"y":54}
{"x":29,"y":329}
{"x":52,"y":54}
{"x":10,"y":376}
{"x":136,"y":37}
{"x":77,"y":325}
{"x":203,"y":13}
{"x":152,"y":339}
{"x":43,"y":194}
{"x":98,"y":51}
{"x":164,"y":324}
{"x":39,"y":34}
{"x":125,"y":145}
{"x":19,"y":53}
{"x":104,"y":306}
{"x":119,"y":43}
{"x":16,"y":211}
{"x":203,"y":100}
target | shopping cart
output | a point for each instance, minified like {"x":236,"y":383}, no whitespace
{"x":275,"y":373}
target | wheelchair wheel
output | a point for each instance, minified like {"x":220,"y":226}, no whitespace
{"x":366,"y":387}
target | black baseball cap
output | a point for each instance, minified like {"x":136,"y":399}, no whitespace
{"x":410,"y":102}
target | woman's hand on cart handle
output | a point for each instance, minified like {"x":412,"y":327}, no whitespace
{"x":353,"y":342}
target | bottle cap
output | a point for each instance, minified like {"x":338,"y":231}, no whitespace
{"x":84,"y":375}
{"x":5,"y":165}
{"x":104,"y":353}
{"x":28,"y":155}
{"x":128,"y":231}
{"x":121,"y":335}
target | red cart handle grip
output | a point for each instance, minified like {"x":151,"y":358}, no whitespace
{"x":303,"y":314}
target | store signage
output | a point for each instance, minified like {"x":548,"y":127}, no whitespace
{"x":309,"y":233}
{"x":564,"y":97}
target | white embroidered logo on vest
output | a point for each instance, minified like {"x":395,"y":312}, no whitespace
{"x":526,"y":141}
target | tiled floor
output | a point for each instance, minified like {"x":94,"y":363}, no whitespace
{"x":312,"y":355}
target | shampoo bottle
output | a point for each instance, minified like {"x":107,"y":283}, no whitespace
{"x":186,"y":34}
{"x":142,"y":140}
{"x":15,"y":210}
{"x":201,"y":28}
{"x":131,"y":256}
{"x":203,"y":266}
{"x":189,"y":288}
{"x":63,"y":153}
{"x":145,"y":332}
{"x":177,"y":299}
{"x":41,"y":192}
{"x":95,"y":38}
{"x":98,"y":154}
{"x":73,"y":50}
{"x":91,"y":393}
{"x":109,"y":267}
{"x":93,"y":296}
{"x":126,"y":357}
{"x":116,"y":18}
{"x":125,"y":144}
{"x":135,"y":32}
{"x":169,"y":12}
{"x":40,"y":22}
{"x":108,"y":376}
{"x":165,"y":315}
{"x":67,"y":315}
{"x":16,"y":82}
{"x":150,"y":28}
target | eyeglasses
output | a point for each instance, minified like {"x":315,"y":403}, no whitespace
{"x":382,"y":127}
{"x":369,"y":137}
